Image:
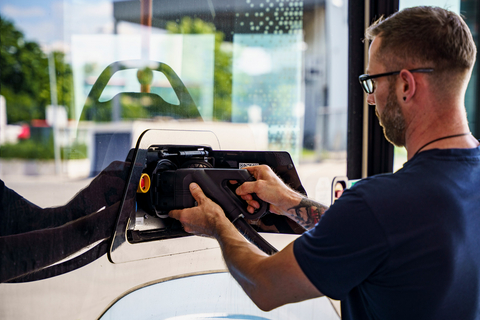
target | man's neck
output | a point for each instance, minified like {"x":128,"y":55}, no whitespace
{"x":436,"y":125}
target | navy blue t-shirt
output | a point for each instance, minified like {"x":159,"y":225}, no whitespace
{"x":403,"y":245}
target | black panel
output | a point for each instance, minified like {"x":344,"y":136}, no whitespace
{"x":380,"y":151}
{"x":356,"y":20}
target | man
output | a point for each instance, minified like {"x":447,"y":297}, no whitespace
{"x":396,"y":246}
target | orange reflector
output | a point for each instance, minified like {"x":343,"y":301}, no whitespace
{"x":144,"y":183}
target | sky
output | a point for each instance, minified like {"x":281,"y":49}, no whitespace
{"x":50,"y":22}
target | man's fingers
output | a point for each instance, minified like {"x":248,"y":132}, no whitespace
{"x":175,"y":214}
{"x":246,"y":188}
{"x":184,"y":216}
{"x":258,"y":170}
{"x":254,"y":171}
{"x":197,"y":192}
{"x":251,"y":209}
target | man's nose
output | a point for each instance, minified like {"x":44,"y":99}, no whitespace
{"x":371,"y":99}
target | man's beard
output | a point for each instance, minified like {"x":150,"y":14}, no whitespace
{"x":392,"y":120}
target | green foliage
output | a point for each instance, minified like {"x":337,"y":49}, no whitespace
{"x":20,"y":106}
{"x":64,"y":75}
{"x":76,"y":151}
{"x":145,"y":76}
{"x":31,"y":149}
{"x":24,"y":77}
{"x":27,"y":149}
{"x":222,"y":78}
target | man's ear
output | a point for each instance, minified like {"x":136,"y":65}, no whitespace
{"x":408,"y":85}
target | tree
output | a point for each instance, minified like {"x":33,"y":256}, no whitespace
{"x":24,"y":77}
{"x":222,"y":78}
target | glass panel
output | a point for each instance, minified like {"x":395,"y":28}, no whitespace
{"x":212,"y":296}
{"x":122,"y":81}
{"x":279,"y":66}
{"x":82,"y":79}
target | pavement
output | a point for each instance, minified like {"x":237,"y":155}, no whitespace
{"x":45,"y":190}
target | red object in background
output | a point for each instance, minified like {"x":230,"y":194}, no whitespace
{"x":25,"y":133}
{"x":39,"y":123}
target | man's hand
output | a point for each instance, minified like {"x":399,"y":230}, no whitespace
{"x":270,"y":188}
{"x":270,"y":281}
{"x":283,"y":200}
{"x":202,"y":219}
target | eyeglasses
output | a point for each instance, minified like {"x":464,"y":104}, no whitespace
{"x":369,"y":85}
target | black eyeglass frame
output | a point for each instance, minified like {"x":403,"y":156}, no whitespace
{"x":369,"y":89}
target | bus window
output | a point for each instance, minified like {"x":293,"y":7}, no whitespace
{"x":277,"y":69}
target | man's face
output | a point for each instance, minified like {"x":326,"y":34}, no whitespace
{"x":384,"y":98}
{"x":392,"y":119}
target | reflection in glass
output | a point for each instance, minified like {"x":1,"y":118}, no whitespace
{"x":209,"y":296}
{"x":278,"y":65}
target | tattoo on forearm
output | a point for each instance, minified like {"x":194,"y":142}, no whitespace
{"x":307,"y":213}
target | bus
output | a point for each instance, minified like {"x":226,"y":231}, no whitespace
{"x":149,"y":87}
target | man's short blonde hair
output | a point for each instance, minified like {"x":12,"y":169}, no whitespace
{"x":426,"y":37}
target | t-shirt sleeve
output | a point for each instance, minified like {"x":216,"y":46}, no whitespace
{"x":345,"y":247}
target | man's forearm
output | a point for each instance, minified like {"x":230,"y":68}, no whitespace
{"x":299,"y":208}
{"x":270,"y":281}
{"x":241,"y":257}
{"x":307,"y":213}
